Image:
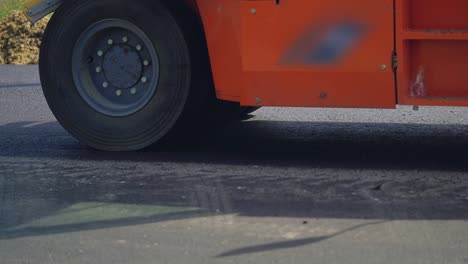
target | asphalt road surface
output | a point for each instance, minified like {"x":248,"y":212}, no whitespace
{"x":288,"y":186}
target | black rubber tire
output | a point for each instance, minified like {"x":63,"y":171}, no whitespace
{"x":95,"y":129}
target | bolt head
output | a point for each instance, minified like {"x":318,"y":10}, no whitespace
{"x":145,"y":62}
{"x":125,"y":39}
{"x":118,"y":92}
{"x":105,"y":84}
{"x":383,"y":67}
{"x":98,"y":69}
{"x":138,"y":47}
{"x":100,"y":53}
{"x":253,"y":11}
{"x":110,"y":42}
{"x":144,"y":79}
{"x":133,"y":91}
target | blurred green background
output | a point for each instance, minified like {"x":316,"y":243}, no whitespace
{"x":7,"y":5}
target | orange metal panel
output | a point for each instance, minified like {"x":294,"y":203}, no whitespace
{"x":432,"y":47}
{"x":318,"y":53}
{"x":222,"y":29}
{"x":302,"y":52}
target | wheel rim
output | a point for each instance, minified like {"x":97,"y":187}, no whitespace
{"x":115,"y":67}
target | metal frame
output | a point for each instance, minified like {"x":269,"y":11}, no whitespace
{"x":37,"y":9}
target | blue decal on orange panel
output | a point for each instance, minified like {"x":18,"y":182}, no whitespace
{"x":324,"y":44}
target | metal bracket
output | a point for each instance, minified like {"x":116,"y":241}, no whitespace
{"x":37,"y":9}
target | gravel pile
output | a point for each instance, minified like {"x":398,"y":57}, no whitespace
{"x":19,"y":39}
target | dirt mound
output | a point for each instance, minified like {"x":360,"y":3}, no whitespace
{"x":19,"y":39}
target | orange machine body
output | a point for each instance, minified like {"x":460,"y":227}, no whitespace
{"x":335,"y":53}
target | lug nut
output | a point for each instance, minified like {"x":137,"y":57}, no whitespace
{"x":110,"y":42}
{"x":105,"y":84}
{"x":138,"y":47}
{"x":144,"y":79}
{"x":133,"y":91}
{"x":118,"y":92}
{"x":125,"y":39}
{"x":98,"y":69}
{"x":100,"y":53}
{"x":145,"y":62}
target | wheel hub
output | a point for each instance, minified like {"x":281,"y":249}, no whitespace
{"x":122,"y":66}
{"x":115,"y":67}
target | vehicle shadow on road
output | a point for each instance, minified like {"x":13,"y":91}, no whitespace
{"x":254,"y":168}
{"x":389,"y":146}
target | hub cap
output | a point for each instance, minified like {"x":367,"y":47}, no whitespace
{"x":115,"y":67}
